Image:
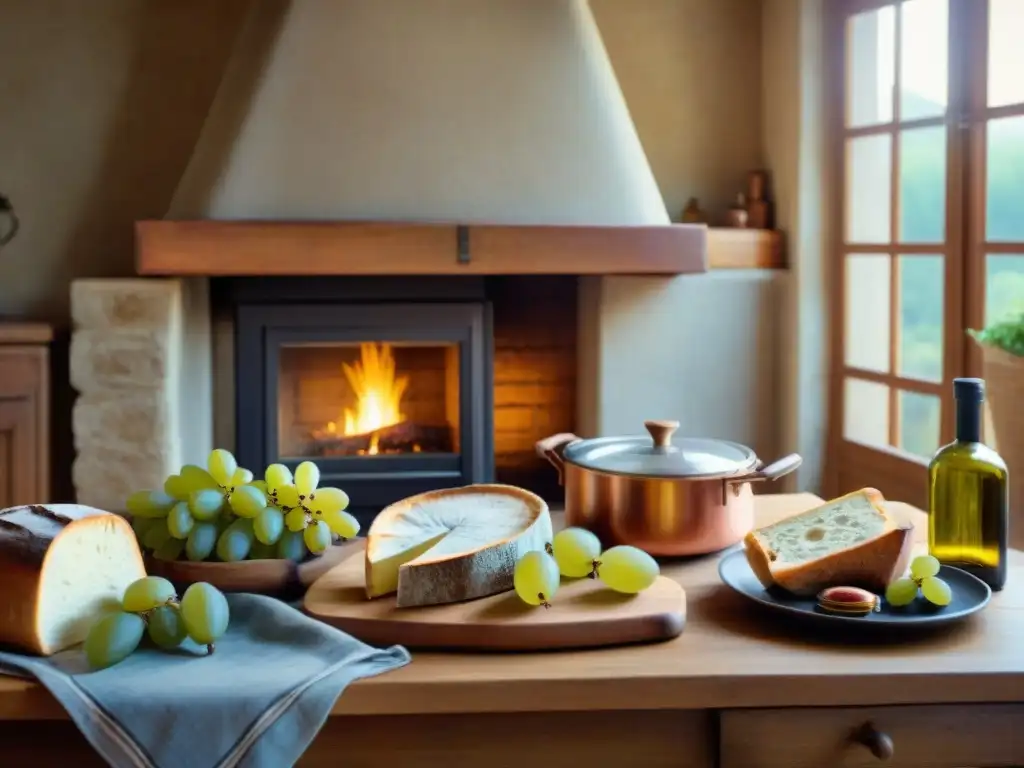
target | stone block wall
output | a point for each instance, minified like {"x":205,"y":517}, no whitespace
{"x":137,"y":354}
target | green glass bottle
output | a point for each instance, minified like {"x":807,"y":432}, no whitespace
{"x":968,"y":495}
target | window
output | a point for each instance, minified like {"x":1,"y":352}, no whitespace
{"x":928,"y":148}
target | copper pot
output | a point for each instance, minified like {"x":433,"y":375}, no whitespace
{"x":682,"y":496}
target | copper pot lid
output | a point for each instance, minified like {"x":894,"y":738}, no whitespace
{"x":659,"y":454}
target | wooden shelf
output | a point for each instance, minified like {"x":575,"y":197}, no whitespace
{"x":745,"y":249}
{"x":222,"y":248}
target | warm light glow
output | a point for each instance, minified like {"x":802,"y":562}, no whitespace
{"x":378,"y":392}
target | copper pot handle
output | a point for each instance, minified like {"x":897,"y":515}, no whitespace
{"x":551,"y":448}
{"x":775,"y":470}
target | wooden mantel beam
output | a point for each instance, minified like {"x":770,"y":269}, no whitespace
{"x":227,"y":248}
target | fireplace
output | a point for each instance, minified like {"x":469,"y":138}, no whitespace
{"x":387,"y":384}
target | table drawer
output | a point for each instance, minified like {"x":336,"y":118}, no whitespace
{"x":946,"y":736}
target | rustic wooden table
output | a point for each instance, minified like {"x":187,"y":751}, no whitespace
{"x":738,"y":689}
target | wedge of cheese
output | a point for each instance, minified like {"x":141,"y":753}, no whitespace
{"x":61,"y":567}
{"x":851,"y":541}
{"x":455,"y":544}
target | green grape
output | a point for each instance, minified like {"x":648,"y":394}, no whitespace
{"x":936,"y":591}
{"x":236,"y":541}
{"x":295,"y":519}
{"x":317,"y":536}
{"x":901,"y":592}
{"x":149,"y":504}
{"x":924,"y":566}
{"x":267,"y":525}
{"x":204,"y":610}
{"x":291,"y":547}
{"x":201,"y":541}
{"x":147,"y":593}
{"x":165,"y":627}
{"x":261,"y":486}
{"x":113,"y":638}
{"x":536,"y":578}
{"x":242,"y":476}
{"x":195,"y":478}
{"x":247,"y":501}
{"x":170,"y":550}
{"x":286,"y":496}
{"x":328,"y":500}
{"x":277,"y":475}
{"x":575,"y":551}
{"x":307,"y":477}
{"x":180,"y":521}
{"x":627,"y":569}
{"x":156,"y":536}
{"x":176,"y":488}
{"x":341,"y":523}
{"x":142,"y":524}
{"x":222,"y":466}
{"x":206,"y":503}
{"x":261,"y":551}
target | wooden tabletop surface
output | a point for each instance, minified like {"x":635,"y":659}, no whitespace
{"x":731,"y":654}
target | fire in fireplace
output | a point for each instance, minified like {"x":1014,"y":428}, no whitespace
{"x":368,"y":399}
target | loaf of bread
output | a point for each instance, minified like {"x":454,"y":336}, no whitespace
{"x":850,"y":541}
{"x":61,"y":566}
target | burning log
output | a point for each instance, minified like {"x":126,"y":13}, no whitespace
{"x":404,"y":437}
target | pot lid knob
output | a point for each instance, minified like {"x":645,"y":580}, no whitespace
{"x":661,"y":432}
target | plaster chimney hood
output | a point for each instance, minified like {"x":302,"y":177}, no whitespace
{"x":418,"y":136}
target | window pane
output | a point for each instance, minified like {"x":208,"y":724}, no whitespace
{"x":868,"y":178}
{"x":923,"y":185}
{"x":1005,"y":52}
{"x":866,"y":412}
{"x":1005,"y":188}
{"x":924,"y":58}
{"x":920,"y":416}
{"x":920,"y":332}
{"x":868,"y":278}
{"x":1004,"y":287}
{"x":871,"y":67}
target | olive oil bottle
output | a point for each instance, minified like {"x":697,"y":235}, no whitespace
{"x":968,"y":495}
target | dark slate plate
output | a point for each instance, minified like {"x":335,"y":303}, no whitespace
{"x":970,"y":594}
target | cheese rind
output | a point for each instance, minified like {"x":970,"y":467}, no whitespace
{"x":61,"y":567}
{"x":454,"y":544}
{"x":850,"y":541}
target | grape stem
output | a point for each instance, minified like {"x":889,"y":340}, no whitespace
{"x":549,"y":549}
{"x":209,"y":649}
{"x":593,"y":570}
{"x":543,"y":600}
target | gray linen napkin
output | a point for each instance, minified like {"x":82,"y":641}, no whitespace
{"x":256,"y":702}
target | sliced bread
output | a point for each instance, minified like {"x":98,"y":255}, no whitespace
{"x":849,"y":541}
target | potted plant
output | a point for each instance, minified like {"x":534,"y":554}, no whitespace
{"x":1002,"y":346}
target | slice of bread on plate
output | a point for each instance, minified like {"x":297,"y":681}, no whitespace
{"x":850,"y":541}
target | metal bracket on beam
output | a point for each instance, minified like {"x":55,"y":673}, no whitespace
{"x":462,"y":237}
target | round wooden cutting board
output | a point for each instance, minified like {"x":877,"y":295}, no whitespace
{"x":583,"y":613}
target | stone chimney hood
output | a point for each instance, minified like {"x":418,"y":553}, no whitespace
{"x":414,"y":137}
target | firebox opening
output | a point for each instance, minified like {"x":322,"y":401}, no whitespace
{"x":367,"y":399}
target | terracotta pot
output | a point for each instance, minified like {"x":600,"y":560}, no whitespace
{"x":1004,"y":384}
{"x":683,"y":496}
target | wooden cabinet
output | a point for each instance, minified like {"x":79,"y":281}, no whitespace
{"x":938,"y":736}
{"x":24,"y":413}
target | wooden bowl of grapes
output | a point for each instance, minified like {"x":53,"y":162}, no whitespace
{"x":285,"y":579}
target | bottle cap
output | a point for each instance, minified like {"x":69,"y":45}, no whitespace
{"x":969,"y":389}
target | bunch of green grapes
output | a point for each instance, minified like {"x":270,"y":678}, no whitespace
{"x":923,"y":579}
{"x":150,"y":607}
{"x":223,"y":513}
{"x":576,"y":553}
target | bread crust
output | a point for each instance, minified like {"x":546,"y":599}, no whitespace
{"x":25,"y":547}
{"x":871,"y":564}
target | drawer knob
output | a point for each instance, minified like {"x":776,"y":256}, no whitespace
{"x":877,"y":742}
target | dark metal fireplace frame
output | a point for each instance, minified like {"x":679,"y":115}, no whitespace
{"x":272,"y":312}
